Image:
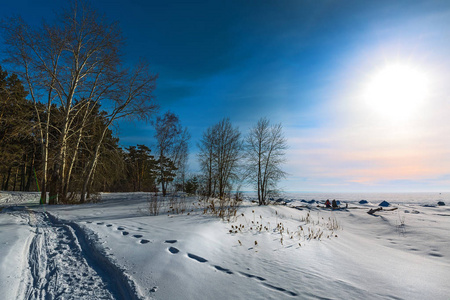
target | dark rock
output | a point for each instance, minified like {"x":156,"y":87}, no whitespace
{"x":441,"y":203}
{"x":363,"y":202}
{"x":384,"y":204}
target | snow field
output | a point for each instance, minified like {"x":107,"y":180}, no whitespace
{"x":14,"y":234}
{"x":401,"y":254}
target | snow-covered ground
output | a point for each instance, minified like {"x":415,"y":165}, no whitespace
{"x":116,"y":249}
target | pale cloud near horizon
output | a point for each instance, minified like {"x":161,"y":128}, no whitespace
{"x":328,"y":158}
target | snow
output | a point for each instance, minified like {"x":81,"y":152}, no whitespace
{"x":116,"y":249}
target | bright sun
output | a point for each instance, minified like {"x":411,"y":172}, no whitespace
{"x":397,"y":91}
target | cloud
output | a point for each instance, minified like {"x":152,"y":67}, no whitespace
{"x":370,"y":156}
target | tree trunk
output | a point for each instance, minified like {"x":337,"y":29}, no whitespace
{"x":22,"y":173}
{"x":30,"y":175}
{"x":72,"y":163}
{"x":87,"y":180}
{"x":5,"y":186}
{"x":53,"y":186}
{"x":45,"y":146}
{"x":15,"y":179}
{"x":61,"y":161}
{"x":91,"y":168}
{"x":163,"y":179}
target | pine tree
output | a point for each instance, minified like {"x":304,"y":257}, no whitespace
{"x":166,"y":172}
{"x":17,"y":145}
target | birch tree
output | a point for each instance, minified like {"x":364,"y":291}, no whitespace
{"x":219,"y":155}
{"x":206,"y":160}
{"x":227,"y":153}
{"x":76,"y":57}
{"x":172,"y":145}
{"x":265,"y":147}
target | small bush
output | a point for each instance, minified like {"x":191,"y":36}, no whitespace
{"x":153,"y":204}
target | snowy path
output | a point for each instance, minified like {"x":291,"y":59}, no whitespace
{"x":63,"y":264}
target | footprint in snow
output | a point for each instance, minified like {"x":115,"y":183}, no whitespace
{"x":252,"y":276}
{"x":138,"y":236}
{"x":262,"y":280}
{"x":100,"y":223}
{"x":120,"y":228}
{"x":268,"y":285}
{"x":144,"y":241}
{"x":197,"y":258}
{"x":219,"y":268}
{"x":125,"y":233}
{"x":277,"y":288}
{"x":173,"y":250}
{"x":109,"y":225}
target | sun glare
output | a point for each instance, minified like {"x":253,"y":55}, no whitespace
{"x":397,"y":91}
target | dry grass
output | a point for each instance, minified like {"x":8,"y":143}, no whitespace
{"x":309,"y":228}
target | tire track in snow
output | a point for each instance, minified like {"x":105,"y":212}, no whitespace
{"x":58,"y":265}
{"x":63,"y":263}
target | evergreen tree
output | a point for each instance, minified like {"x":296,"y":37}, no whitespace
{"x":141,"y":168}
{"x":166,"y":174}
{"x":17,"y":144}
{"x":192,"y":185}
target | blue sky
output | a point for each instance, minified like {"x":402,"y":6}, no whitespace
{"x":305,"y":64}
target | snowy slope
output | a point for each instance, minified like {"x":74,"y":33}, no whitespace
{"x":116,"y":249}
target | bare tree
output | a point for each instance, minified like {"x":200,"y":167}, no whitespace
{"x":265,"y":147}
{"x":172,"y":144}
{"x":206,"y":160}
{"x":180,"y":155}
{"x":75,"y":58}
{"x":131,"y":98}
{"x":220,"y":151}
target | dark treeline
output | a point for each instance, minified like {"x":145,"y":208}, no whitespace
{"x":18,"y":149}
{"x":226,"y":159}
{"x":132,"y":169}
